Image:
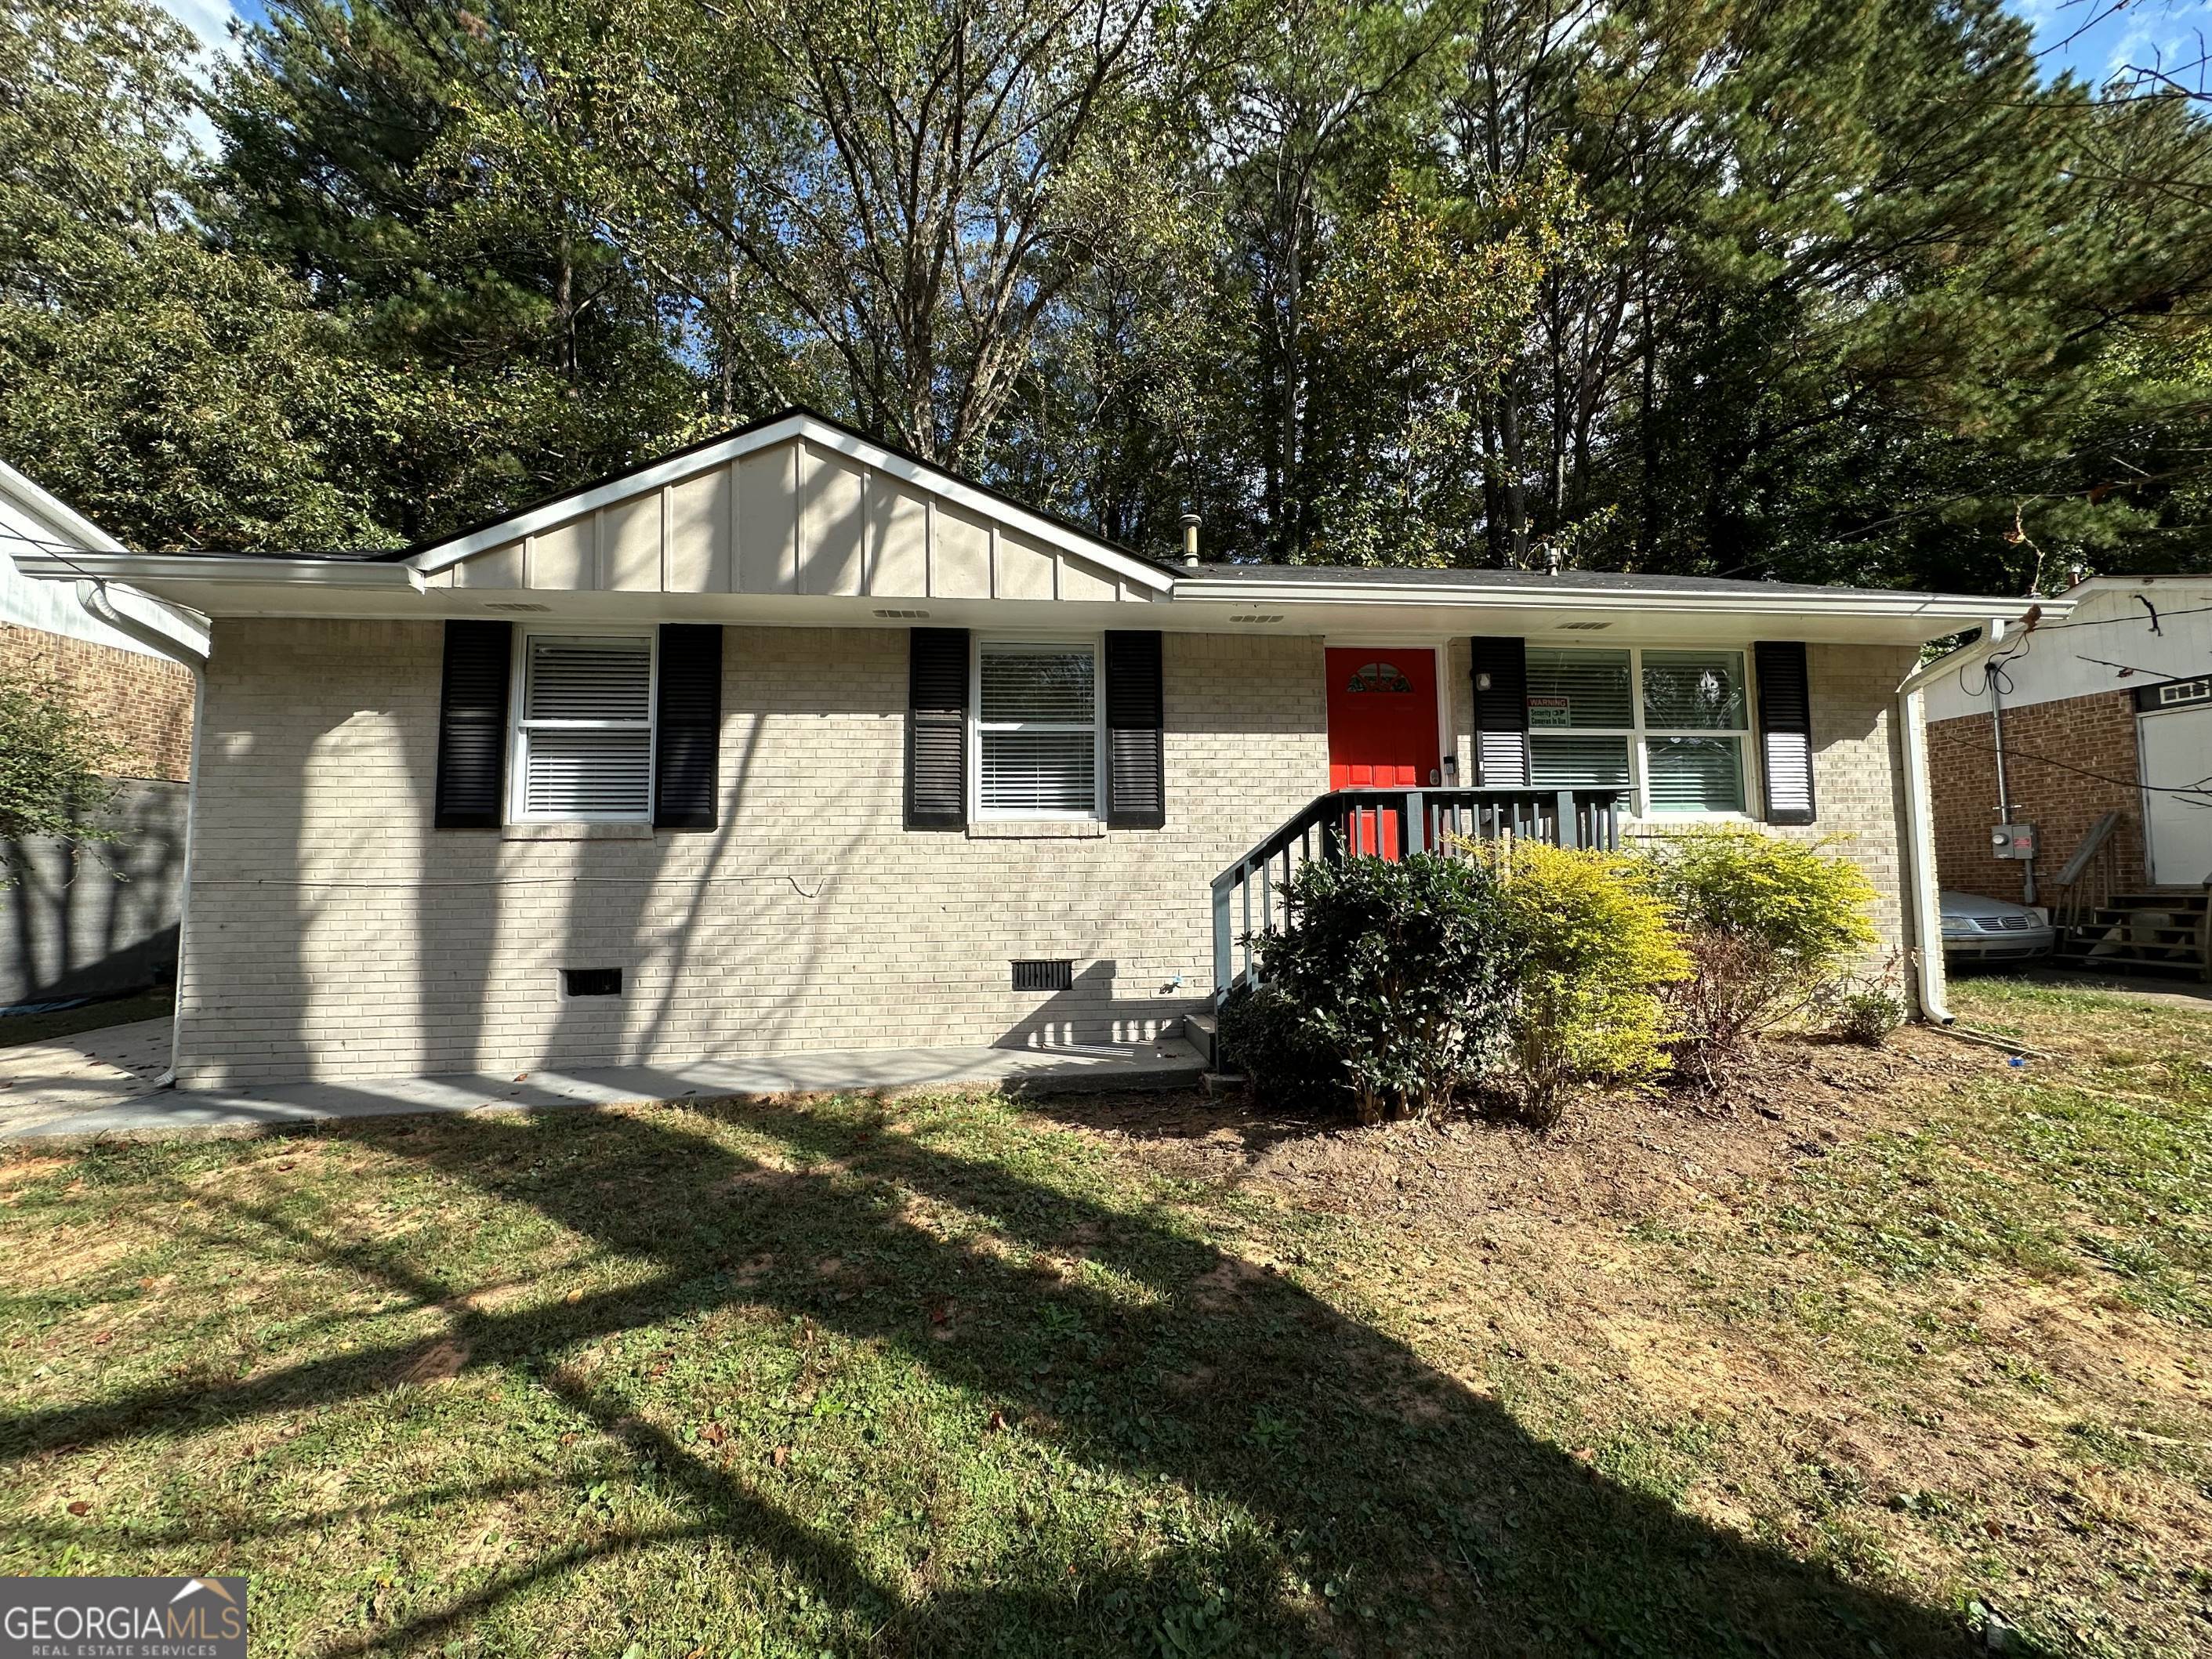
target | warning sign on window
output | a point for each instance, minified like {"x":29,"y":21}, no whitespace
{"x":1550,"y":711}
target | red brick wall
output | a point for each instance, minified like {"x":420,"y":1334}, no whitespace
{"x":144,"y":703}
{"x":2096,"y":733}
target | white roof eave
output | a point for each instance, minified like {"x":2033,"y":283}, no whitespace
{"x":221,"y":572}
{"x":1942,"y":612}
{"x":43,"y":503}
{"x":1865,"y":602}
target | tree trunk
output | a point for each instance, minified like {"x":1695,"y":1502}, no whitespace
{"x":1516,"y":483}
{"x":564,"y":307}
{"x":1288,"y":527}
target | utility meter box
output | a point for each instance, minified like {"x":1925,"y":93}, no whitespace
{"x":2013,"y":841}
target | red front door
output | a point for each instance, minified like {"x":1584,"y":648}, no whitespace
{"x":1382,"y":729}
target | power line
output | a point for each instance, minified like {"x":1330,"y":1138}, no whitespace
{"x":2113,"y":622}
{"x":2202,"y":786}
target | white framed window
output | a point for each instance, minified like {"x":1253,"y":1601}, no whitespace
{"x":583,"y":729}
{"x":1039,"y":716}
{"x":1672,"y":727}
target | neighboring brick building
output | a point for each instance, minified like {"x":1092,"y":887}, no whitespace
{"x":81,"y":923}
{"x":2078,"y":700}
{"x":791,"y":741}
{"x":144,"y":701}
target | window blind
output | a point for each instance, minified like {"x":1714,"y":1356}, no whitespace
{"x":1577,"y":762}
{"x":586,"y":774}
{"x":1695,"y":774}
{"x":1029,"y":683}
{"x":589,"y":679}
{"x":587,"y":726}
{"x":1697,"y":690}
{"x":1038,"y":723}
{"x":1579,"y":689}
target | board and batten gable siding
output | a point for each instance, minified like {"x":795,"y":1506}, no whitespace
{"x":794,"y":519}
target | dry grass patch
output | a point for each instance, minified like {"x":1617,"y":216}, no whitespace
{"x":1883,"y":1343}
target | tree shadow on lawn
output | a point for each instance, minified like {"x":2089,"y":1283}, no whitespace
{"x":1355,"y":1458}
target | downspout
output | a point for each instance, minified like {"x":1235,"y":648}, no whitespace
{"x":2004,"y":787}
{"x":1923,"y":887}
{"x":1922,"y":891}
{"x":92,"y":595}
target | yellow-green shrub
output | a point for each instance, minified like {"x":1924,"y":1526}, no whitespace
{"x":1598,"y":948}
{"x":1772,"y":925}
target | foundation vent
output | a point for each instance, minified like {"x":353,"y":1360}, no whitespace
{"x":1041,"y":975}
{"x":1259,"y":616}
{"x":591,"y":982}
{"x":901,"y":616}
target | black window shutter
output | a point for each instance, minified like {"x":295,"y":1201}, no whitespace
{"x":687,"y":726}
{"x":1501,"y":713}
{"x":1786,"y":730}
{"x":1136,"y":764}
{"x":472,"y":725}
{"x":937,"y":728}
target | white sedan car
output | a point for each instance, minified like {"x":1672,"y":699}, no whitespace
{"x":1978,"y":929}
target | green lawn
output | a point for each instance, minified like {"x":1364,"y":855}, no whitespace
{"x":944,"y":1375}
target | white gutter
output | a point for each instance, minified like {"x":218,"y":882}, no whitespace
{"x":221,"y":571}
{"x":1958,"y":608}
{"x":93,"y":595}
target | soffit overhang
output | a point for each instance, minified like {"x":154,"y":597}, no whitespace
{"x":274,"y":587}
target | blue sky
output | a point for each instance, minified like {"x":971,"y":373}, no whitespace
{"x":2097,"y":39}
{"x":2094,"y":38}
{"x":209,"y":19}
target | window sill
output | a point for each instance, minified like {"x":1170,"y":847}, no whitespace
{"x":1661,"y":823}
{"x":550,"y":830}
{"x":1036,"y":829}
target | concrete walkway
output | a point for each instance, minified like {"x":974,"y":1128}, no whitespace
{"x":100,"y":1084}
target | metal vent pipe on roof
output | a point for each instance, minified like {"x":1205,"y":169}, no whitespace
{"x":1190,"y":539}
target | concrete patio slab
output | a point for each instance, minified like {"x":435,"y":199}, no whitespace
{"x":99,"y":1085}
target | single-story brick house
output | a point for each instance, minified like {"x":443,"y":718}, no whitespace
{"x":2093,"y":731}
{"x":791,"y":740}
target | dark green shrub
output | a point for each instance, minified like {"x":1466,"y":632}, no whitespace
{"x":1867,"y":1015}
{"x":1287,"y":1066}
{"x":1390,"y":989}
{"x":1867,"y":1010}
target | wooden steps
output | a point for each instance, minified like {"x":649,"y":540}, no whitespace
{"x":2169,"y":935}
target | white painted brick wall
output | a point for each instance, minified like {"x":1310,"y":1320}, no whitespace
{"x":334,"y":933}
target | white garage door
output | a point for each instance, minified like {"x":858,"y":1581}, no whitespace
{"x":2177,"y":752}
